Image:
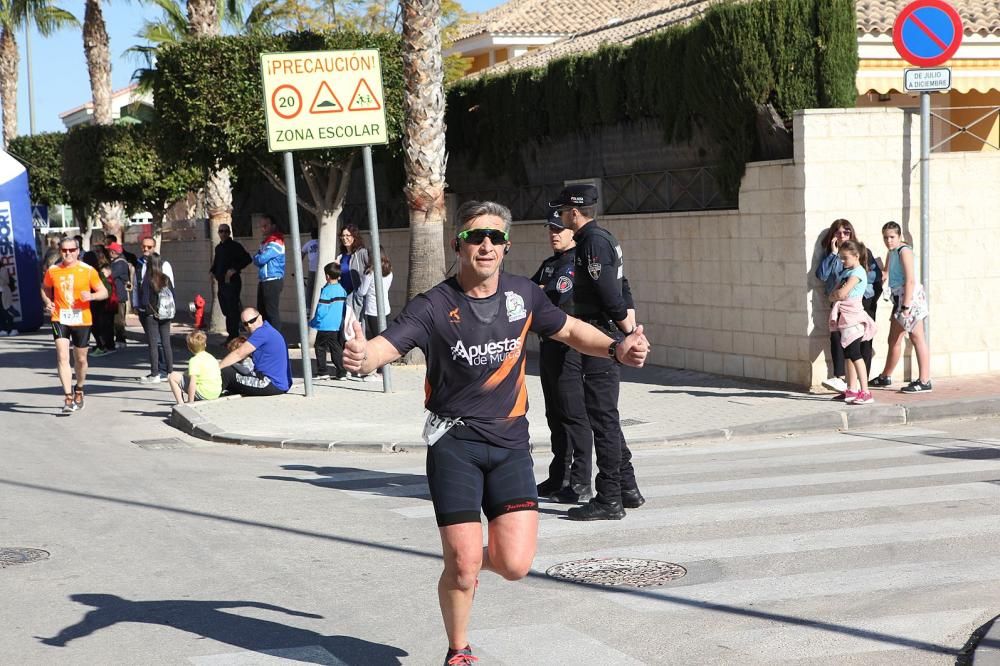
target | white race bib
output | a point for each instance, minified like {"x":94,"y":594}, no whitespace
{"x":436,"y":426}
{"x":70,"y":317}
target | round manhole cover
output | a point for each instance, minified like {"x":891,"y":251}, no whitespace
{"x":11,"y":556}
{"x":623,"y":571}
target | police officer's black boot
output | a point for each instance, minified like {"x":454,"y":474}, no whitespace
{"x":573,"y":494}
{"x":596,"y":509}
{"x":632,"y":498}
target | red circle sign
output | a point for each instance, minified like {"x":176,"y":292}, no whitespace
{"x":284,"y":106}
{"x":927,"y":32}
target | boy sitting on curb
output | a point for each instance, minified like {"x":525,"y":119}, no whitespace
{"x":203,"y":379}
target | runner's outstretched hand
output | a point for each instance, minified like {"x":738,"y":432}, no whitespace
{"x":355,"y":350}
{"x":633,"y":349}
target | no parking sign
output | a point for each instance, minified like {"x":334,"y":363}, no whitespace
{"x":927,"y":32}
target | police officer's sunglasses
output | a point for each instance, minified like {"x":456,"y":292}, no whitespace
{"x":477,"y":236}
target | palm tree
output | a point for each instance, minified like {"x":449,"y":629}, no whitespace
{"x":14,"y":15}
{"x":423,"y":142}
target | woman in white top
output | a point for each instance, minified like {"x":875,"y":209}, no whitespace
{"x":366,"y":291}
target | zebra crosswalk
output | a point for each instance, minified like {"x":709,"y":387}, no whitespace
{"x":877,"y":548}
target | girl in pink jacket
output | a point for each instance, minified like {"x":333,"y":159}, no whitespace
{"x":849,"y":317}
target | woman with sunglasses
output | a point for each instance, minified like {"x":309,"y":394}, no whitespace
{"x":471,"y":329}
{"x":830,"y":271}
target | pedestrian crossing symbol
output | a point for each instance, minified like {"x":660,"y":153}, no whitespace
{"x":364,"y":99}
{"x":326,"y":100}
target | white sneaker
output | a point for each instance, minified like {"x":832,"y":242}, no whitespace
{"x":4,"y":334}
{"x":13,"y":333}
{"x":150,"y":379}
{"x":835,"y":384}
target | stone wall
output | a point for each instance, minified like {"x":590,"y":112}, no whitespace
{"x":733,"y":292}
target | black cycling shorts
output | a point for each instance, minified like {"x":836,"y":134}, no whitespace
{"x":78,"y":336}
{"x":466,"y":476}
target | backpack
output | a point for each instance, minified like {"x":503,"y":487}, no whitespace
{"x":166,"y":308}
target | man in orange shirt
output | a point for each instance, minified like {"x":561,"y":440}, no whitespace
{"x":67,"y":290}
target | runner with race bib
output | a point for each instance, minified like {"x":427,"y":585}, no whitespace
{"x":68,"y":289}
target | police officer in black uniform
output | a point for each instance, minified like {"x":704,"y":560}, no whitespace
{"x":561,"y":372}
{"x":598,"y":299}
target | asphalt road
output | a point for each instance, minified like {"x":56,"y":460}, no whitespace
{"x":829,"y":549}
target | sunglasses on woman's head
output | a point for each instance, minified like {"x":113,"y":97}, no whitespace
{"x":477,"y":236}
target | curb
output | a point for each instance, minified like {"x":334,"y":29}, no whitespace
{"x":191,"y":422}
{"x":983,"y":646}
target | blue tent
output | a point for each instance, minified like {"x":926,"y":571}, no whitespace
{"x":17,"y":247}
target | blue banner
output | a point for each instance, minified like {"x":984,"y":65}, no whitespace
{"x":19,"y":291}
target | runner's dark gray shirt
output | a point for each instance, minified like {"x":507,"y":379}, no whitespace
{"x":475,"y":352}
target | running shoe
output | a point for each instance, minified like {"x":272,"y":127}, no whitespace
{"x":4,"y":334}
{"x":150,"y":379}
{"x":918,"y":387}
{"x":461,"y":657}
{"x":850,"y":396}
{"x":321,"y":377}
{"x":110,"y":351}
{"x":880,"y":382}
{"x":864,"y":398}
{"x":78,"y":397}
{"x":13,"y":333}
{"x":98,"y":352}
{"x":69,"y":406}
{"x":835,"y":384}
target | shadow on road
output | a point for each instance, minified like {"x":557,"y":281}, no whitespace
{"x":386,"y":484}
{"x":209,"y":620}
{"x":662,"y":595}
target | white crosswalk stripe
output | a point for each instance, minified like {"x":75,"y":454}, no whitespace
{"x":789,"y":542}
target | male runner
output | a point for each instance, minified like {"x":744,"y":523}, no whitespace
{"x":67,"y":290}
{"x":472,"y":329}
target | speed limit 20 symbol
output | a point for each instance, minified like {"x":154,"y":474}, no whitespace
{"x":286,"y":100}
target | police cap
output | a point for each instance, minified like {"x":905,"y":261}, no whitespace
{"x":576,"y":195}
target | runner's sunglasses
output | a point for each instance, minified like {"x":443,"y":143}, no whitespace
{"x":477,"y":236}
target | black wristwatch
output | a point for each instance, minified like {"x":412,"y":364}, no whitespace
{"x":613,"y":351}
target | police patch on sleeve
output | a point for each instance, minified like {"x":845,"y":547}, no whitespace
{"x":594,"y":268}
{"x":515,"y":306}
{"x":563,"y":284}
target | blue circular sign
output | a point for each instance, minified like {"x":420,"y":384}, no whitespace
{"x":927,"y":32}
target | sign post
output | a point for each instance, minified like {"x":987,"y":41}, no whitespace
{"x":926,"y":33}
{"x":325,"y":99}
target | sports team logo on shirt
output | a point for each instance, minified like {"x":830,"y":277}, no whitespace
{"x":563,"y":284}
{"x":515,"y":306}
{"x":489,"y":353}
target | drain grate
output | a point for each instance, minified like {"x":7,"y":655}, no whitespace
{"x":623,"y":571}
{"x":11,"y":556}
{"x":632,"y":422}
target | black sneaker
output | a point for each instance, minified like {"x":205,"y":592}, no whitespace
{"x":547,"y":487}
{"x":880,"y":382}
{"x":917,"y":387}
{"x":632,"y":499}
{"x":461,"y":657}
{"x":597,"y":510}
{"x":574,"y":494}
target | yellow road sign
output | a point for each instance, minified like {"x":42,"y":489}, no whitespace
{"x":323,"y":99}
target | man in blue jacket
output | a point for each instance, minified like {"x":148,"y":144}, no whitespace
{"x":270,"y":263}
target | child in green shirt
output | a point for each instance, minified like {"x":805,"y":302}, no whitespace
{"x":203,"y":380}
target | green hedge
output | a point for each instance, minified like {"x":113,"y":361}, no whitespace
{"x":793,"y":54}
{"x":42,"y":156}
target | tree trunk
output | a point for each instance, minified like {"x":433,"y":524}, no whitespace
{"x":424,"y":142}
{"x":203,"y":18}
{"x":9,"y":60}
{"x":111,"y":217}
{"x":219,"y":203}
{"x":97,"y":49}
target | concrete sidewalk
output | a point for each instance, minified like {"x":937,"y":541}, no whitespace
{"x":657,"y":405}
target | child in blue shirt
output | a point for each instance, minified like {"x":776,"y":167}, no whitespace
{"x":327,"y":322}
